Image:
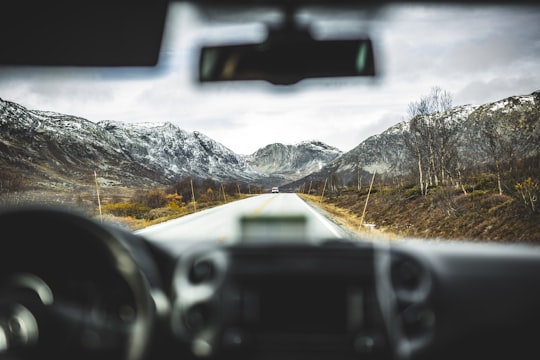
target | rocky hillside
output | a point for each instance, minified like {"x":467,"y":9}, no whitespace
{"x":48,"y":149}
{"x":42,"y":149}
{"x":292,"y":162}
{"x":174,"y":153}
{"x":475,"y":136}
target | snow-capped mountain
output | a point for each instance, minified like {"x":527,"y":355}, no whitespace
{"x":176,"y":153}
{"x":511,"y":124}
{"x":63,"y":148}
{"x":293,"y":161}
{"x":48,"y":149}
{"x":51,"y":149}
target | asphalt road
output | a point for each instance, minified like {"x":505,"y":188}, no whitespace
{"x":270,"y":217}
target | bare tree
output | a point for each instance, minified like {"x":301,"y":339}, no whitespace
{"x":497,"y":146}
{"x":430,"y":136}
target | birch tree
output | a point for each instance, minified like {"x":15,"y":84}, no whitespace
{"x":429,"y":137}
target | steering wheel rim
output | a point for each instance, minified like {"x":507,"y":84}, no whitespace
{"x":64,"y":240}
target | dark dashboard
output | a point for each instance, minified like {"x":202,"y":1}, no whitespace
{"x":71,"y":287}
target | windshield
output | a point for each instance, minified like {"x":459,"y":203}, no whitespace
{"x":442,"y":143}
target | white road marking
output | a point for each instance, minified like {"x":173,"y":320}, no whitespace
{"x":327,"y":224}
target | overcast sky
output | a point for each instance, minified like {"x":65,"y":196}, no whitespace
{"x":477,"y":54}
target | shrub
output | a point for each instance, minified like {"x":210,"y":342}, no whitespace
{"x":528,"y":191}
{"x":486,"y":182}
{"x":125,"y":209}
{"x":412,"y":193}
{"x":165,"y":212}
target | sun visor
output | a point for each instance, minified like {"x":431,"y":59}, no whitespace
{"x":82,"y":33}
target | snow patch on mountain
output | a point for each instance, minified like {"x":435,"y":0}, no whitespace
{"x":59,"y":146}
{"x":513,"y":120}
{"x":293,"y":161}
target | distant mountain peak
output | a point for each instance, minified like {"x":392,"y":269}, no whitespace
{"x":293,"y":161}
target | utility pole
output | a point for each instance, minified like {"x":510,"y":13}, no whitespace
{"x":193,"y":195}
{"x":359,"y":179}
{"x":324,"y":187}
{"x":223,"y":192}
{"x":98,"y":199}
{"x":367,"y":199}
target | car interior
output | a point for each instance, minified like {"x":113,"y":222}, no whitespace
{"x":72,"y":287}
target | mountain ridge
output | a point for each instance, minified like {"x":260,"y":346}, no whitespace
{"x":290,"y":161}
{"x":52,"y":149}
{"x":514,"y":120}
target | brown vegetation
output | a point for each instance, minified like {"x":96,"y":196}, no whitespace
{"x":136,"y":208}
{"x":186,"y":196}
{"x":444,"y":213}
{"x":446,"y":188}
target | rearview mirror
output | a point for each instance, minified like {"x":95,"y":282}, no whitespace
{"x":287,"y":57}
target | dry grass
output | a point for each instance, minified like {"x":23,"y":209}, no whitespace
{"x":133,"y":223}
{"x":349,"y":219}
{"x":85,"y":201}
{"x":392,"y":213}
{"x":443,"y":214}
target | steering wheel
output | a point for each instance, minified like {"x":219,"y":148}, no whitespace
{"x":69,"y":288}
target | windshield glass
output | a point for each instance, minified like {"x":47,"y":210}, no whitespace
{"x":442,"y":143}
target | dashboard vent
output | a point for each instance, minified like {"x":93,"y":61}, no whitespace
{"x":412,"y":285}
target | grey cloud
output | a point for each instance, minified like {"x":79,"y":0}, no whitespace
{"x":478,"y":92}
{"x":464,"y":39}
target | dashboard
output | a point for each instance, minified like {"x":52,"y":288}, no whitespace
{"x":72,"y":287}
